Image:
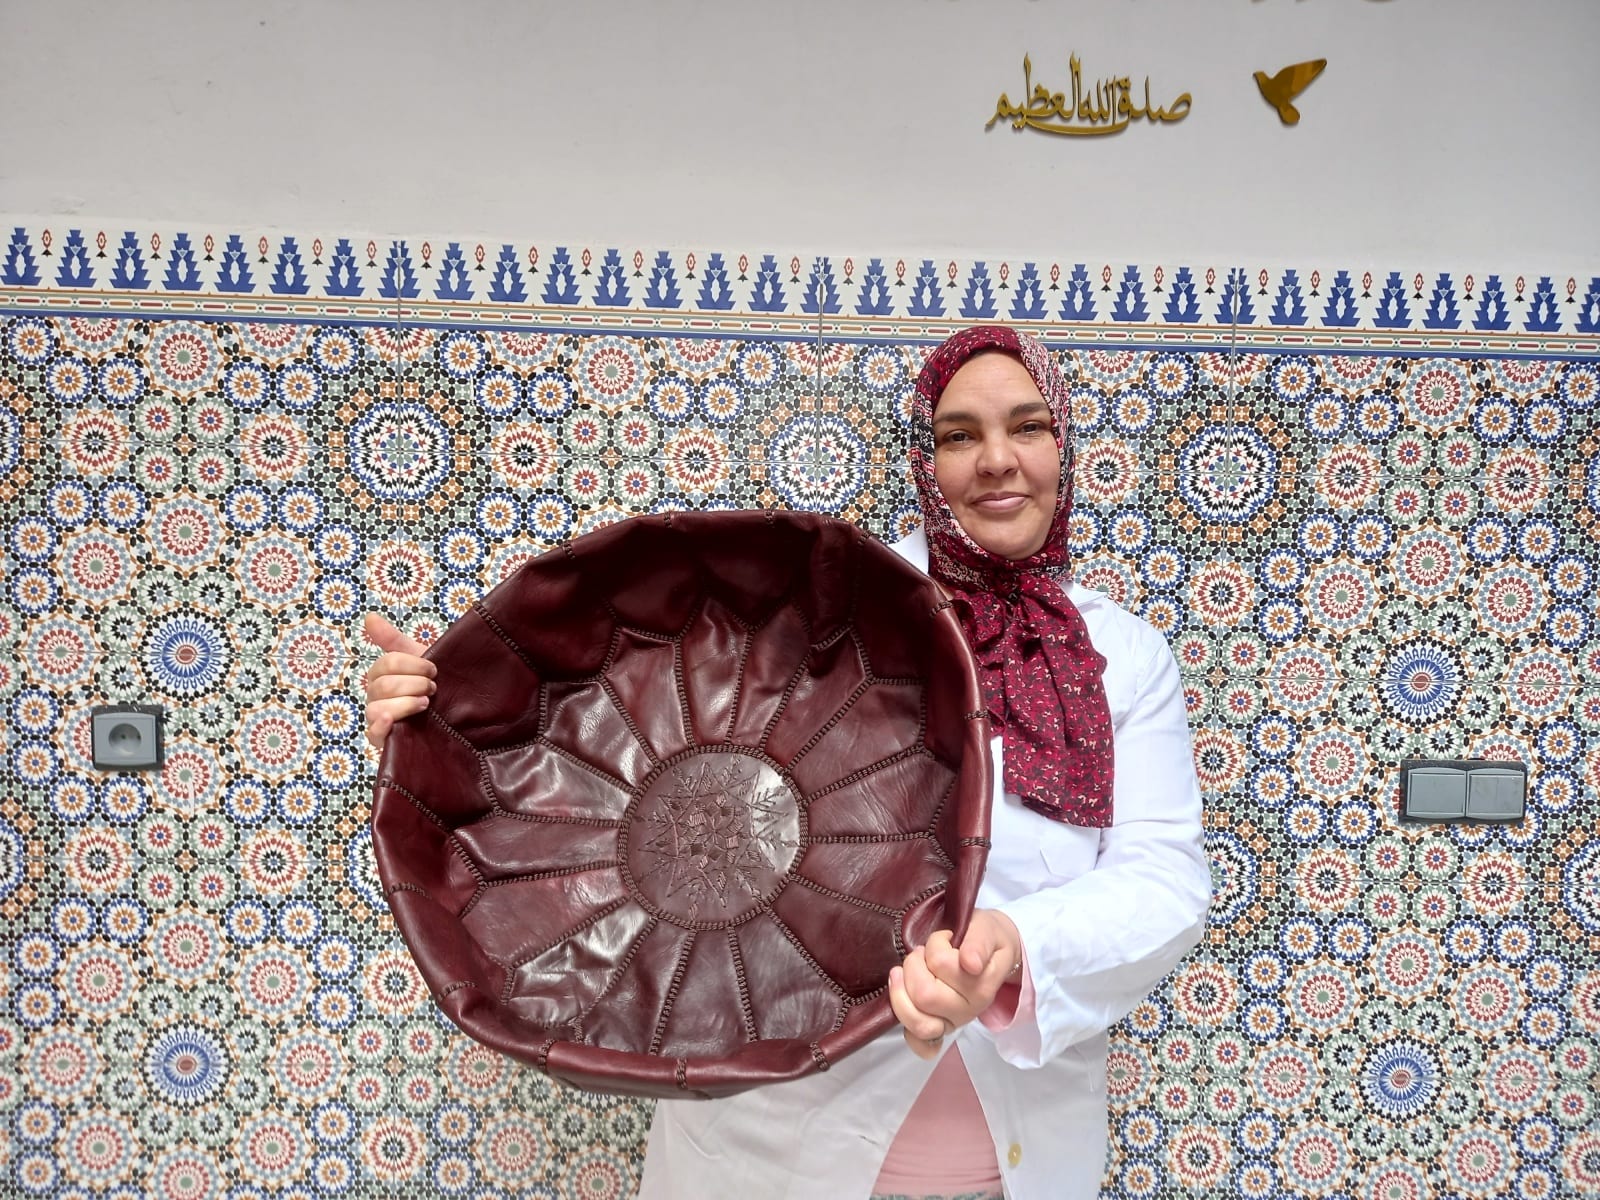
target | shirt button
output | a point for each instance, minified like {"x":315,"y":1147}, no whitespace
{"x":1014,"y":1155}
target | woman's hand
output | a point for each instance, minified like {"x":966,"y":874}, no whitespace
{"x":399,"y":683}
{"x":940,"y":986}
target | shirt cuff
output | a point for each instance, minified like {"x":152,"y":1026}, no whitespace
{"x":1013,"y":1003}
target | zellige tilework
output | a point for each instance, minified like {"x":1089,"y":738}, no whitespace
{"x":1360,"y":548}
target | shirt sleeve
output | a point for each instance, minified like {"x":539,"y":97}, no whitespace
{"x":1097,"y":945}
{"x":1012,"y":1003}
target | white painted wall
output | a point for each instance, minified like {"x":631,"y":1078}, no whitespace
{"x":1442,"y":129}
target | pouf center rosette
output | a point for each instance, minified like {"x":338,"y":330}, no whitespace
{"x":689,"y":787}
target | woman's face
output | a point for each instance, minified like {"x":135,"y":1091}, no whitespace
{"x":995,"y":456}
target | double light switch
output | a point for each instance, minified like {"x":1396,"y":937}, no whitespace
{"x":1469,"y":789}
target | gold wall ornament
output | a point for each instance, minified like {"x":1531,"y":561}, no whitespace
{"x":1109,"y":108}
{"x":1286,"y":85}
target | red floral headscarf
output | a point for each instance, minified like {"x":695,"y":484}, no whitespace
{"x":1041,"y":675}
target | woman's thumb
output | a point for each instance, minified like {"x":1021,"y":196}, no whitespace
{"x":978,"y":947}
{"x":387,"y":638}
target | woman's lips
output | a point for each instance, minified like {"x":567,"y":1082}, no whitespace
{"x":1007,"y":502}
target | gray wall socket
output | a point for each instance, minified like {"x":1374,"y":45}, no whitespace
{"x":127,"y":737}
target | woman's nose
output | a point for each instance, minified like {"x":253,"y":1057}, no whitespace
{"x":996,"y":456}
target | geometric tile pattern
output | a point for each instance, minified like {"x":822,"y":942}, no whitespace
{"x":1356,"y":556}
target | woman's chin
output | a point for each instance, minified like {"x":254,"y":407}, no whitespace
{"x":1008,"y":543}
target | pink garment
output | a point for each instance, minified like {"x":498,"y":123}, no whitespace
{"x":945,"y":1144}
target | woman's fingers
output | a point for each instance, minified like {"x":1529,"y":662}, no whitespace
{"x":977,"y":968}
{"x":385,"y":685}
{"x":398,"y":662}
{"x":399,"y":683}
{"x":992,"y":940}
{"x":917,"y":1020}
{"x":921,"y":1048}
{"x":944,"y":960}
{"x":382,"y":714}
{"x":933,"y":992}
{"x":943,"y":1007}
{"x":952,"y":986}
{"x":923,"y":1031}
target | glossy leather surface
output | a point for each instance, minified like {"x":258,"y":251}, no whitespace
{"x":688,"y":788}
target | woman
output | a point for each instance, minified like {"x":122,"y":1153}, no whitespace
{"x":1096,"y":883}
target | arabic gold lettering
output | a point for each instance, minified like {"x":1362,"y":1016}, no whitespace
{"x":1125,"y":107}
{"x":1004,"y":110}
{"x":1106,"y":108}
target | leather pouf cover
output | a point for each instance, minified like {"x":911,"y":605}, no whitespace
{"x":690,"y":785}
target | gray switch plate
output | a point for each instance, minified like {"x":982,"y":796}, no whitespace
{"x":1463,"y":789}
{"x":1495,"y":793}
{"x":127,"y":737}
{"x":1435,"y":793}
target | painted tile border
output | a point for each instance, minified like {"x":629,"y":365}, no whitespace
{"x":51,"y":265}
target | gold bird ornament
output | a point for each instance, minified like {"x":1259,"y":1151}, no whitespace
{"x":1288,"y":83}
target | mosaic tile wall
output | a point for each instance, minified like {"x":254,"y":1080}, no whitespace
{"x":1366,"y":520}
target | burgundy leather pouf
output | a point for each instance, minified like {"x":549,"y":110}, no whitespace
{"x":689,"y":787}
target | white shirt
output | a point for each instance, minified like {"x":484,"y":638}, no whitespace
{"x":1104,"y":914}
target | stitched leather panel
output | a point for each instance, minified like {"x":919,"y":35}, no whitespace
{"x":685,"y":786}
